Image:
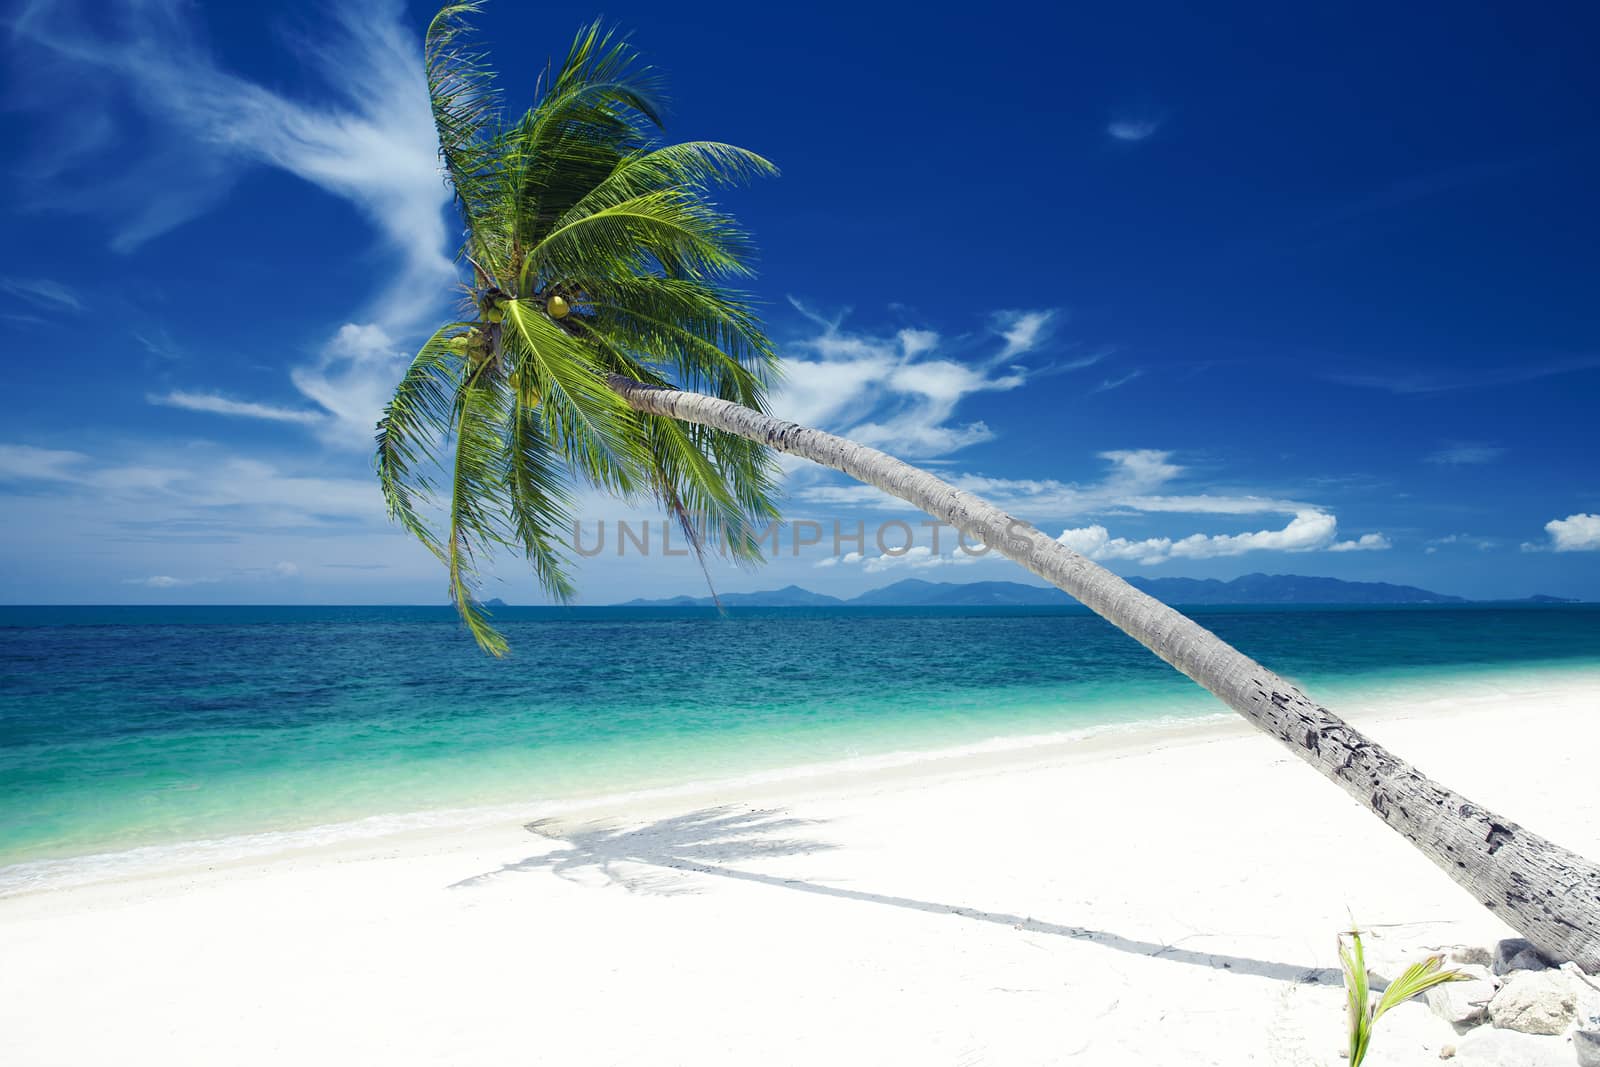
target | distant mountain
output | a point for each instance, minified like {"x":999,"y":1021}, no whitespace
{"x":1286,"y":589}
{"x":790,"y":596}
{"x":1540,"y":598}
{"x":1249,"y":589}
{"x":913,"y":592}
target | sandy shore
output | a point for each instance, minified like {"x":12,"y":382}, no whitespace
{"x":1161,"y":897}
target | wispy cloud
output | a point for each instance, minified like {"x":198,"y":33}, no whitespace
{"x":1109,"y":384}
{"x":221,"y":405}
{"x":1416,"y":382}
{"x":1023,"y":331}
{"x":159,"y":344}
{"x":352,"y":380}
{"x":28,"y":463}
{"x":899,"y":392}
{"x":184,"y":129}
{"x":369,"y":141}
{"x":1405,"y":192}
{"x":1462,"y":453}
{"x":368,"y":138}
{"x":166,"y":581}
{"x":1133,"y":128}
{"x":196,"y":489}
{"x":42,"y":293}
{"x":1482,"y":544}
{"x":917,"y":557}
{"x":1138,"y":482}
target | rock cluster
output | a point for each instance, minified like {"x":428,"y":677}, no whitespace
{"x":1517,"y":1007}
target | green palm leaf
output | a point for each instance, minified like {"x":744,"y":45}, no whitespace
{"x":477,"y":498}
{"x":575,"y":200}
{"x":1364,"y":1013}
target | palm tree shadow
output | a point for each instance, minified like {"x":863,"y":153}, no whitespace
{"x":650,"y":858}
{"x":658,"y":857}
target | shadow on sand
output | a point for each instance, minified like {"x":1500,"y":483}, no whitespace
{"x":651,"y":859}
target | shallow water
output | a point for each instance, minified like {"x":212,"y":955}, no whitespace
{"x":129,"y":727}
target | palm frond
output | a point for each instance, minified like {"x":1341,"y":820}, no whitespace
{"x":539,"y":500}
{"x":417,"y":419}
{"x":593,"y":250}
{"x":681,"y":232}
{"x":709,"y":339}
{"x":594,"y":112}
{"x":695,"y":165}
{"x":477,"y":498}
{"x":466,"y":115}
{"x":587,"y":423}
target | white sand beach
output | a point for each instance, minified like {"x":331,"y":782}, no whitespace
{"x":1158,"y":897}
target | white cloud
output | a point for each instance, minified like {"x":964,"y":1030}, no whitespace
{"x":1023,"y":331}
{"x":369,"y":140}
{"x":1130,"y":128}
{"x":27,"y":463}
{"x":1135,"y":482}
{"x":166,"y":581}
{"x":1308,"y":531}
{"x":286,"y":569}
{"x":350,"y":382}
{"x":42,"y":293}
{"x":353,"y":380}
{"x":1372,"y":542}
{"x":221,"y":405}
{"x":917,"y":557}
{"x":1462,"y":454}
{"x":1575,"y":533}
{"x":1482,"y":544}
{"x":199,"y":487}
{"x":1109,"y":384}
{"x":901,"y":392}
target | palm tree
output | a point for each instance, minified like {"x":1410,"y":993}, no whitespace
{"x":599,"y":343}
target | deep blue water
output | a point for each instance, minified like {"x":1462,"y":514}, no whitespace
{"x":132,"y":726}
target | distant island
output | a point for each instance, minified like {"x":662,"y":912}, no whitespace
{"x":1248,"y":589}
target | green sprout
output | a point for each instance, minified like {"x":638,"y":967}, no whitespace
{"x":1364,"y":1011}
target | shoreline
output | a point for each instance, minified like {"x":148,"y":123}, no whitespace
{"x":1168,"y":897}
{"x":1458,"y":693}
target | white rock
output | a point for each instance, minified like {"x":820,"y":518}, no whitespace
{"x":1535,"y":1002}
{"x":1488,"y":1047}
{"x":1464,"y":1003}
{"x":1587,"y":986}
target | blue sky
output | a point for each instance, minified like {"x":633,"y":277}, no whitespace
{"x":1252,"y":288}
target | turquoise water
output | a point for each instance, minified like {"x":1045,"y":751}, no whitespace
{"x":124,"y":727}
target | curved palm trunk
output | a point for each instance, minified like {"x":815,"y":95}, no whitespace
{"x":1549,"y":894}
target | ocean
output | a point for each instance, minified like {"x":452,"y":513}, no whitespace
{"x":131,"y":733}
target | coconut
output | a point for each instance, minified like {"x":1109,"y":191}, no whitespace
{"x":557,"y":307}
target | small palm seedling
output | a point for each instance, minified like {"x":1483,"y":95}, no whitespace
{"x":1364,"y":1011}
